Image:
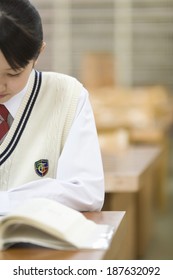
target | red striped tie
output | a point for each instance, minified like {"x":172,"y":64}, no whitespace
{"x":4,"y":127}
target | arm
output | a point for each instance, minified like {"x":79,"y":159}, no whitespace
{"x":79,"y":182}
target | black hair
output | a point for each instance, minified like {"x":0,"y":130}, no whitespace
{"x":21,"y":34}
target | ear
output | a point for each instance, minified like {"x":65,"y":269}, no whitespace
{"x":43,"y":47}
{"x":41,"y":50}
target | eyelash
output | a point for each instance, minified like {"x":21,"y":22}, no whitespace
{"x":14,"y":75}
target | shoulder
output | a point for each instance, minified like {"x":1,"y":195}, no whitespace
{"x":61,"y":86}
{"x":60,"y":80}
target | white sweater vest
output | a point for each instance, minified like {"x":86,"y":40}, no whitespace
{"x":35,"y":140}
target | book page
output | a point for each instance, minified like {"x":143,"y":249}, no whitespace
{"x":26,"y":234}
{"x":30,"y":235}
{"x":54,"y":218}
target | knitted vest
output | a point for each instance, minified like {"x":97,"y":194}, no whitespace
{"x":35,"y":140}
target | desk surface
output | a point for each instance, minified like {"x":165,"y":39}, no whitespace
{"x":122,"y":171}
{"x":114,"y":218}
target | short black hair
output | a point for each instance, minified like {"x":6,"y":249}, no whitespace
{"x":21,"y":33}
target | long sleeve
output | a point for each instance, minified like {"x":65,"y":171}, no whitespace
{"x":80,"y":181}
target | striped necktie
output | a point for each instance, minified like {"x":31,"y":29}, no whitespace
{"x":4,"y":127}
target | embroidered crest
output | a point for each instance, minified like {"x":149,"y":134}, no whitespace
{"x":42,"y":167}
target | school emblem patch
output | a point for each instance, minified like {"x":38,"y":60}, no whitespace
{"x":41,"y":167}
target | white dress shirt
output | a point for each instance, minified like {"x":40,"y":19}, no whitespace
{"x":79,"y":181}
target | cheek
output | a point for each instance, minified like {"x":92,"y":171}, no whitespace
{"x":14,"y":88}
{"x":16,"y":85}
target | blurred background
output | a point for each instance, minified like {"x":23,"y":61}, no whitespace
{"x":122,"y":51}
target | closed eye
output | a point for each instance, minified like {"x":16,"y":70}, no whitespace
{"x":14,"y":75}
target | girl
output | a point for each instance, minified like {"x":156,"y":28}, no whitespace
{"x":49,"y":146}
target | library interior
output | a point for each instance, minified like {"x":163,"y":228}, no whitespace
{"x":122,"y":52}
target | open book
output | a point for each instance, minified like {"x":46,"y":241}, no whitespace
{"x":50,"y":224}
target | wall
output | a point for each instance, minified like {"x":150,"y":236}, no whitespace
{"x":138,"y":34}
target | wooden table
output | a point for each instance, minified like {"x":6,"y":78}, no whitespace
{"x":114,"y":218}
{"x":130,"y":179}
